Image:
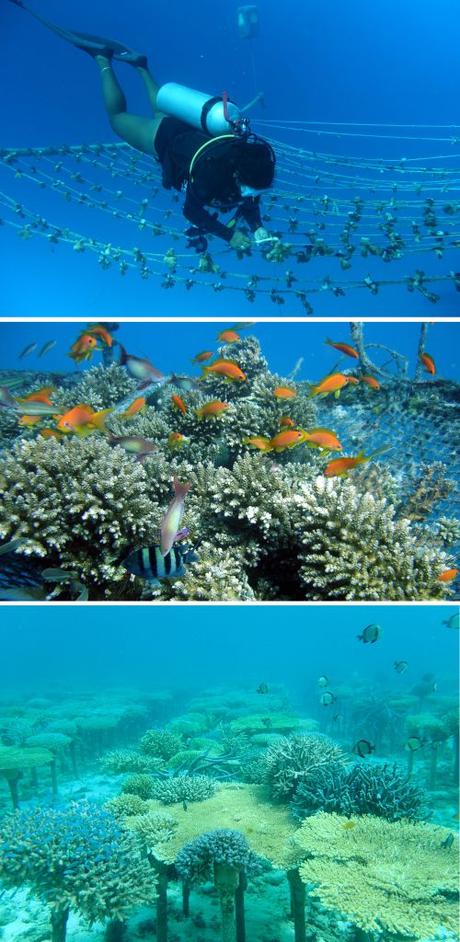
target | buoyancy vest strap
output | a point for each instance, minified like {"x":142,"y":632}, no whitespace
{"x":212,"y":140}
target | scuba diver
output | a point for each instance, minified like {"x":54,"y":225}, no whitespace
{"x":202,"y":143}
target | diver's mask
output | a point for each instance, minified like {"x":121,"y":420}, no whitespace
{"x":249,"y":190}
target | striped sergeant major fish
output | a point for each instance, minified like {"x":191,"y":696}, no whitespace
{"x":150,"y":564}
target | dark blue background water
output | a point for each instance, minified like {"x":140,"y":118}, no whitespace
{"x":353,"y":62}
{"x":171,"y":346}
{"x":195,"y":646}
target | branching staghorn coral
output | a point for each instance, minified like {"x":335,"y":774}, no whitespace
{"x":379,"y":789}
{"x":125,"y":805}
{"x":161,"y":743}
{"x":79,"y":503}
{"x":295,"y":759}
{"x":125,"y":760}
{"x":268,"y":527}
{"x":77,"y":859}
{"x":182,"y":788}
{"x":396,"y":878}
{"x":99,"y":387}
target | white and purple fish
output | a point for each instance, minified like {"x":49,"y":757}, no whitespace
{"x":170,"y":525}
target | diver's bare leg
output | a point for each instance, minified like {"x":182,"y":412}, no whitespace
{"x":137,"y":131}
{"x":151,"y":86}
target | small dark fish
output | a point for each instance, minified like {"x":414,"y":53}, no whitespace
{"x":262,"y":688}
{"x":363,"y":748}
{"x":336,"y":717}
{"x":414,"y":743}
{"x":323,"y":681}
{"x":453,"y":621}
{"x":370,"y":635}
{"x":58,"y":575}
{"x":327,"y":698}
{"x":47,"y":347}
{"x":151,"y":565}
{"x":27,"y":351}
{"x":267,"y":722}
{"x":11,"y":546}
{"x":400,"y":666}
{"x":185,"y":805}
{"x":448,"y":841}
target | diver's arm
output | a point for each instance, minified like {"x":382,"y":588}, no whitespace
{"x":195,"y":212}
{"x":250,"y":212}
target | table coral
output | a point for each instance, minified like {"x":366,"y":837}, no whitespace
{"x":399,"y":878}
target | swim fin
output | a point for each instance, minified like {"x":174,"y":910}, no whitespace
{"x":94,"y":45}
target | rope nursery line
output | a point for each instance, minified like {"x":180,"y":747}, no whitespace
{"x":334,"y":213}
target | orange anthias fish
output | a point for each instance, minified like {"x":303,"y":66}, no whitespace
{"x":284,"y":392}
{"x":211,"y":410}
{"x":332,"y":384}
{"x":82,"y":420}
{"x":28,"y":420}
{"x":226,"y":368}
{"x":176,"y":440}
{"x":258,"y":441}
{"x":339,"y":467}
{"x":286,"y":422}
{"x":229,"y":336}
{"x":102,"y":333}
{"x":179,"y":403}
{"x":428,"y":363}
{"x":83,"y":348}
{"x":344,"y":348}
{"x":371,"y":381}
{"x":287,"y":439}
{"x":137,"y":406}
{"x":201,"y":357}
{"x":322,"y":438}
{"x":41,"y":395}
{"x":51,"y":433}
{"x":448,"y":575}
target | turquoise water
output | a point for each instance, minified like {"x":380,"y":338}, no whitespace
{"x":359,"y":104}
{"x":139,"y":712}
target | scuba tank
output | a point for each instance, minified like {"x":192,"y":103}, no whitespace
{"x":213,"y":115}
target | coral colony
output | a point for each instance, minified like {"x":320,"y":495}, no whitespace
{"x":271,"y":506}
{"x":196,"y":819}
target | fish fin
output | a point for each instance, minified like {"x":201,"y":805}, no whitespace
{"x":98,"y":419}
{"x":380,"y":451}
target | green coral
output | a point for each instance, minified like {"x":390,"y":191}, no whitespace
{"x":396,"y":878}
{"x":182,"y":788}
{"x":141,"y":785}
{"x":126,"y":805}
{"x":153,"y":829}
{"x":161,"y":743}
{"x":126,"y":760}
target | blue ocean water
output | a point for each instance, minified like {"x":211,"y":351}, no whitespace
{"x":190,"y":648}
{"x":393,"y":67}
{"x":171,"y":347}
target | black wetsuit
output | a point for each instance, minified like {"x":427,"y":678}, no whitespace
{"x":212,"y":184}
